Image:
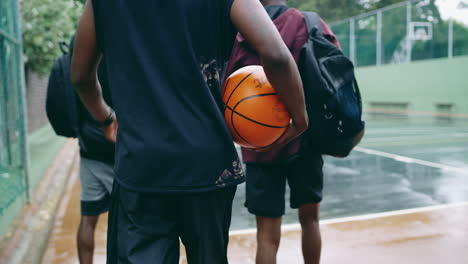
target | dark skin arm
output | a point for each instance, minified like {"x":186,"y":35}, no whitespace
{"x":252,"y":21}
{"x":85,"y":62}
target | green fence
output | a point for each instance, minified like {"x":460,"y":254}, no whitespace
{"x":408,"y":31}
{"x":14,"y":184}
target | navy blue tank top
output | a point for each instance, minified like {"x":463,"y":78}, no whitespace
{"x":164,"y":60}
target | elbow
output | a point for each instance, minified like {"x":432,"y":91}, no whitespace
{"x":80,"y":75}
{"x":276,"y":59}
{"x":76,"y":79}
{"x":80,"y":79}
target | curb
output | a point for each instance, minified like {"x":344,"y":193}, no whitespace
{"x":30,"y":232}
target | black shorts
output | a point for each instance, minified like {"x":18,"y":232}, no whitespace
{"x":266,"y":184}
{"x":146,"y":227}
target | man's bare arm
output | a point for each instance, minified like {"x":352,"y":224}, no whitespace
{"x":85,"y":62}
{"x":252,"y":21}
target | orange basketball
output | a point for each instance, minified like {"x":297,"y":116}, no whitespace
{"x":253,"y":110}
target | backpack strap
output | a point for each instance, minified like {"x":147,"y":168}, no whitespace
{"x":358,"y":93}
{"x":312,"y":20}
{"x":64,"y":47}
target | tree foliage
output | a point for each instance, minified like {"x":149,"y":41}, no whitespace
{"x":45,"y":23}
{"x":334,"y":10}
{"x":330,"y":10}
{"x":393,"y":28}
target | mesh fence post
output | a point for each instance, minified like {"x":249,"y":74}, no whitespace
{"x":379,"y":38}
{"x":22,"y":104}
{"x":408,"y":25}
{"x":352,"y":40}
{"x":450,"y":38}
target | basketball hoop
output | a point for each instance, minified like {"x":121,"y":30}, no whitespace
{"x":421,"y":34}
{"x":420,"y":31}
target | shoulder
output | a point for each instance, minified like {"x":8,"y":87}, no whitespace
{"x":293,"y":21}
{"x":291,"y":17}
{"x":293,"y":13}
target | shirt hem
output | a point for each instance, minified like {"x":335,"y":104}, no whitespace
{"x":108,"y":160}
{"x":178,"y":189}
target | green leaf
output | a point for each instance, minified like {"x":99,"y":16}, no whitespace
{"x":46,"y":22}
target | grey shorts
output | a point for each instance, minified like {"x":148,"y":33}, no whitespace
{"x":96,"y":186}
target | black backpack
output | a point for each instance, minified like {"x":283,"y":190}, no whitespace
{"x":62,"y":100}
{"x":332,"y":95}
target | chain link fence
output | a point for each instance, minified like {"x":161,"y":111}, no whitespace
{"x":405,"y":32}
{"x":13,"y":147}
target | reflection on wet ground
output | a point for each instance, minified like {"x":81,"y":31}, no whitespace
{"x":358,"y":185}
{"x":438,"y":139}
{"x":364,"y":184}
{"x":62,"y":243}
{"x":429,"y":237}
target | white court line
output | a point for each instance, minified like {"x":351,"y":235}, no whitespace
{"x":410,"y":160}
{"x":294,"y":227}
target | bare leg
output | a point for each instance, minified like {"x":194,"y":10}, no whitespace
{"x":85,"y":239}
{"x":268,"y":239}
{"x":311,"y":240}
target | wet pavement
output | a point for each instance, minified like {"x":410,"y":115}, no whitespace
{"x":426,"y":236}
{"x":62,"y":243}
{"x":404,"y":162}
{"x":438,"y":139}
{"x":431,"y":237}
{"x":366,"y":183}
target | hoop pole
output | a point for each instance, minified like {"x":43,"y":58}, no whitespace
{"x":408,"y":30}
{"x":450,"y":39}
{"x":352,"y":41}
{"x":379,"y":38}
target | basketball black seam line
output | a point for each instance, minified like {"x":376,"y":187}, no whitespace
{"x":237,"y":132}
{"x":256,"y":122}
{"x":233,"y":110}
{"x":237,"y":86}
{"x":251,"y":120}
{"x":253,"y":96}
